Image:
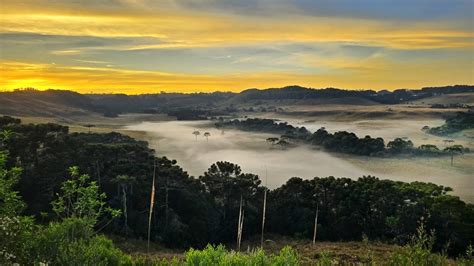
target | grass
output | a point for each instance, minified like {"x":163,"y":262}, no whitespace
{"x":340,"y":252}
{"x":288,"y":252}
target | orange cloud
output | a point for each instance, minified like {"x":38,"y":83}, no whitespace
{"x":184,"y":29}
{"x":108,"y":80}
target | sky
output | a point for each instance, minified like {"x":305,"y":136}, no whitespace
{"x":146,"y":46}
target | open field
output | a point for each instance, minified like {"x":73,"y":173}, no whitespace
{"x":347,"y":112}
{"x":458,"y":98}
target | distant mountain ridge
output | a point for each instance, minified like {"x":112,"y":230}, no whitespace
{"x":31,"y":102}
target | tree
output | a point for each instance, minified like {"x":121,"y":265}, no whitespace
{"x":89,"y":126}
{"x":196,"y":133}
{"x":272,"y":140}
{"x":455,"y":149}
{"x":429,"y":147}
{"x":226,"y":185}
{"x":207,"y":135}
{"x":283,"y":143}
{"x":125,"y":185}
{"x":399,"y":145}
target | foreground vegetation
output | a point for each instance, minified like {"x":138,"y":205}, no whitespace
{"x":71,"y":239}
{"x":67,"y":209}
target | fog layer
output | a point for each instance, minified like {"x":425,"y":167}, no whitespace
{"x":174,"y":139}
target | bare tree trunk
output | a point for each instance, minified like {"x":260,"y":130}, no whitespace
{"x":124,"y":201}
{"x":239,"y":225}
{"x":263,"y":215}
{"x":152,"y":203}
{"x":166,"y":203}
{"x":98,"y":171}
{"x":241,"y":228}
{"x":264,"y":208}
{"x":315,"y":224}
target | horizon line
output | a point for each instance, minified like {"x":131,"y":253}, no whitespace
{"x":222,"y":91}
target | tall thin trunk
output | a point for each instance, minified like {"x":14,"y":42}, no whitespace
{"x":166,"y":203}
{"x":241,"y":228}
{"x":124,"y":201}
{"x":264,"y":208}
{"x":263,"y":216}
{"x":98,"y":171}
{"x":239,"y":225}
{"x":315,"y":224}
{"x":152,"y":203}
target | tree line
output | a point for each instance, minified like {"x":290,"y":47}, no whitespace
{"x":341,"y":141}
{"x":459,"y":122}
{"x":192,"y":212}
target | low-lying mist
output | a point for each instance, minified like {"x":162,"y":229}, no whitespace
{"x":174,"y":139}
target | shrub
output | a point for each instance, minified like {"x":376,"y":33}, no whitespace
{"x":218,"y":255}
{"x":15,"y":230}
{"x":97,"y":250}
{"x":418,"y":251}
{"x":73,"y":242}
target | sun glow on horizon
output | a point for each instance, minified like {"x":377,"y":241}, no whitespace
{"x":143,"y":46}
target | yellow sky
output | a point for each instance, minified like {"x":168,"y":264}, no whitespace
{"x":138,"y":47}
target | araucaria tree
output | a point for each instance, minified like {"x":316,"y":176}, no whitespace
{"x":207,"y":135}
{"x":226,"y":185}
{"x":196,"y":133}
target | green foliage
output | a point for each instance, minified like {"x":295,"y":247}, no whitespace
{"x":15,"y":231}
{"x":73,"y":242}
{"x":347,"y":142}
{"x":10,"y":203}
{"x":192,"y":212}
{"x":225,"y":185}
{"x":418,"y":251}
{"x":325,"y":259}
{"x":468,"y":258}
{"x":80,"y":198}
{"x":17,"y":234}
{"x":462,"y":120}
{"x":399,"y":145}
{"x":218,"y":255}
{"x":456,"y":149}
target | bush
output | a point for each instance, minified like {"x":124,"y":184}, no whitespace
{"x":213,"y":255}
{"x":73,"y":242}
{"x":95,"y":251}
{"x":418,"y":252}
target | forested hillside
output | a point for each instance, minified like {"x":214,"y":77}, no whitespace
{"x":194,"y":211}
{"x":66,"y":103}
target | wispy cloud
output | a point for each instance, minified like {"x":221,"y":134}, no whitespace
{"x":183,"y":44}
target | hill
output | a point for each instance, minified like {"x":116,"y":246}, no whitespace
{"x":49,"y":103}
{"x":456,"y":98}
{"x":45,"y":103}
